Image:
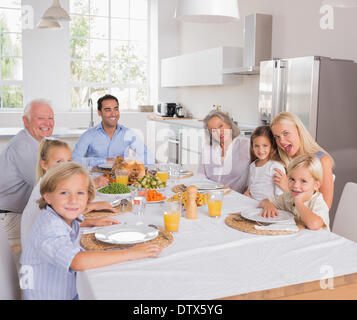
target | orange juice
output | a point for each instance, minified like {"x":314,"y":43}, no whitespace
{"x":171,"y":221}
{"x":122,"y":179}
{"x":214,"y":208}
{"x":162,"y":175}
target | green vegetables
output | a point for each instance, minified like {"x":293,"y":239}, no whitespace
{"x":115,"y":188}
{"x":149,"y":182}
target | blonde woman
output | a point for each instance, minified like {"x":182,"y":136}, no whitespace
{"x":225,"y":156}
{"x":293,"y":139}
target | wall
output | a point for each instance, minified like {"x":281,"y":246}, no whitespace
{"x":296,"y":32}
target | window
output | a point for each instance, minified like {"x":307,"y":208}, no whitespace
{"x":109,"y":51}
{"x":10,"y":55}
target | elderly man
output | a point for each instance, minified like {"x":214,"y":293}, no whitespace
{"x":109,"y":139}
{"x":18,"y":165}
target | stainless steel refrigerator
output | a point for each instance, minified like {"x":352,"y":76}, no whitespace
{"x":322,"y":92}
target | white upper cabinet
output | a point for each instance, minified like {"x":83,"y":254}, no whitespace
{"x":202,"y":68}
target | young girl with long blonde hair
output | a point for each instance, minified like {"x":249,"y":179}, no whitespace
{"x":294,"y":139}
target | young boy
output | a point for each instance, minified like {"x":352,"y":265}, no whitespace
{"x":303,"y":198}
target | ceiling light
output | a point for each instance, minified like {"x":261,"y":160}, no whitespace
{"x":48,"y":24}
{"x":207,"y":11}
{"x":56,"y":12}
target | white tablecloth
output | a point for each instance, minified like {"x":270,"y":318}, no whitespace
{"x":209,"y":260}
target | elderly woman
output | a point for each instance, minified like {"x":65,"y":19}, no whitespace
{"x":225,"y":155}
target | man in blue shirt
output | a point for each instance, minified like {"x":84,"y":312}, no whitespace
{"x":109,"y":139}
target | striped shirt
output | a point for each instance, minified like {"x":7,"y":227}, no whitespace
{"x":48,"y":251}
{"x":96,"y":145}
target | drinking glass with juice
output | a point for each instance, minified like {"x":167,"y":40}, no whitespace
{"x":172,"y":215}
{"x":215,"y":201}
{"x":122,"y":176}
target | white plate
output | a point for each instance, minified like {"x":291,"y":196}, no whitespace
{"x":254,"y":215}
{"x":126,"y":234}
{"x":105,"y":166}
{"x":158,"y":201}
{"x":208,"y":185}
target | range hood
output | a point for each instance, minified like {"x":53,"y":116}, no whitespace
{"x":257,"y":44}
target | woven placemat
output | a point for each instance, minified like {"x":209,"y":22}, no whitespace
{"x":236,"y":221}
{"x":107,"y":213}
{"x":89,"y":242}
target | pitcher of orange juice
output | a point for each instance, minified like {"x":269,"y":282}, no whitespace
{"x":172,"y":214}
{"x":215,"y":201}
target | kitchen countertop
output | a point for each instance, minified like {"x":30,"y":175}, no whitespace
{"x":58,"y":132}
{"x":196,"y":123}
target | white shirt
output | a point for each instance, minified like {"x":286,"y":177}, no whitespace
{"x":316,"y":204}
{"x":31,"y":211}
{"x":233,"y":170}
{"x":261,"y":180}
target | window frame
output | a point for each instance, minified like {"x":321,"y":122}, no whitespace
{"x":110,"y":84}
{"x":7,"y":82}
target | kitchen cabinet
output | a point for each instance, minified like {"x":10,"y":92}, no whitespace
{"x":202,"y":68}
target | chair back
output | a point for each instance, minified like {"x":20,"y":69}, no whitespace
{"x":9,"y":280}
{"x":345,"y":222}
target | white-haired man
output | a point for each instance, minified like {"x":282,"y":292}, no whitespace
{"x":18,"y":165}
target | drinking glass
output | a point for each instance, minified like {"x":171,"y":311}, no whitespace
{"x":122,"y":176}
{"x":163,"y":172}
{"x":172,"y":214}
{"x":215,"y":201}
{"x":175,"y":169}
{"x":138,"y":201}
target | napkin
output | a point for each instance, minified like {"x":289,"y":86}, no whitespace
{"x":278,"y":227}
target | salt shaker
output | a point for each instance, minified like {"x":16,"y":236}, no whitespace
{"x":191,"y":209}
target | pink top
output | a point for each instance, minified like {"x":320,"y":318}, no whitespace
{"x":233,"y":171}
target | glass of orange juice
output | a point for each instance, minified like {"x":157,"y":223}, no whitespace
{"x":172,"y":214}
{"x":163,"y":172}
{"x":122,"y":176}
{"x":215,"y":201}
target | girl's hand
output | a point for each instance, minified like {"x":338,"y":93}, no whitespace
{"x":100,"y":182}
{"x":269,"y":210}
{"x":100,"y":222}
{"x":281,"y":180}
{"x":145,"y":250}
{"x":101,"y":205}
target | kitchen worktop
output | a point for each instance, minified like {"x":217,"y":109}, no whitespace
{"x":196,"y":123}
{"x":58,"y":132}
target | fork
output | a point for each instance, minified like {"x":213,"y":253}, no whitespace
{"x":157,"y":228}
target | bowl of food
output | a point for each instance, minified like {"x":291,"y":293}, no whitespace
{"x":113,"y":191}
{"x":150,"y":182}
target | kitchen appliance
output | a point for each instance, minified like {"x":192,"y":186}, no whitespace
{"x":180,"y":111}
{"x":322,"y":92}
{"x":166,"y":109}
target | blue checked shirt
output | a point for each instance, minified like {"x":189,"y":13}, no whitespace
{"x":48,"y":251}
{"x":96,"y":145}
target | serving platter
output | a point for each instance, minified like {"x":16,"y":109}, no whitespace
{"x":208,"y":186}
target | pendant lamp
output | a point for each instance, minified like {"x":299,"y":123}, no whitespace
{"x":207,"y":11}
{"x":56,"y":12}
{"x":48,"y":24}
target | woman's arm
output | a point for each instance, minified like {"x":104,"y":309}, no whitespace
{"x":327,"y":185}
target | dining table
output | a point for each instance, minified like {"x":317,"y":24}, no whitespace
{"x":208,"y":260}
